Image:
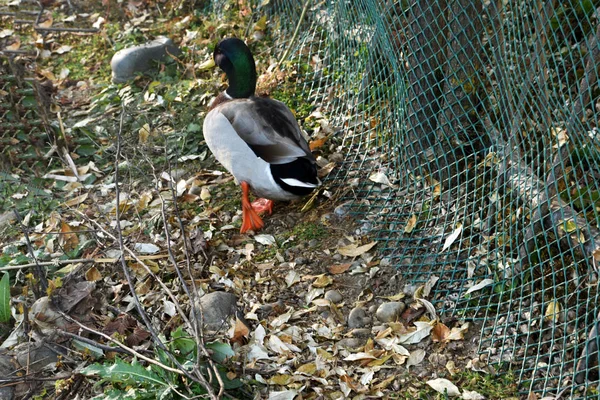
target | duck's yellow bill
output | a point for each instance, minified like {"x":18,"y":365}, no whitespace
{"x":206,"y":65}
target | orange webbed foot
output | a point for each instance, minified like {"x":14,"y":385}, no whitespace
{"x":250,"y":219}
{"x":262,"y":206}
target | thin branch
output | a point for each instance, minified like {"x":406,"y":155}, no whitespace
{"x":295,"y":35}
{"x":198,"y":376}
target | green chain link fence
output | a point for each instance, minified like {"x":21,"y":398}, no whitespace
{"x":475,"y":121}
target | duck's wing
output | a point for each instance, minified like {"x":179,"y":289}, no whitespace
{"x":268,"y":127}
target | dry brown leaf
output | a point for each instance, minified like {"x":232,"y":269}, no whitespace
{"x":410,"y":225}
{"x":385,"y":383}
{"x":323,"y":172}
{"x":16,"y":45}
{"x":317,"y":143}
{"x":93,"y":275}
{"x":309,"y":368}
{"x":144,"y":134}
{"x":281,"y":380}
{"x":68,"y":239}
{"x":47,"y":23}
{"x":440,"y":333}
{"x":322,"y":281}
{"x":76,"y":200}
{"x":339,"y":268}
{"x":552,"y":311}
{"x":354,"y":250}
{"x":240,"y":333}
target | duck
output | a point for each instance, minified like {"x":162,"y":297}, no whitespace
{"x":256,"y":138}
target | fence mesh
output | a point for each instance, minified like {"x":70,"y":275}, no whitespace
{"x":472,"y":153}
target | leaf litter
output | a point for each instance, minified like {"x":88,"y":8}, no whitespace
{"x":288,"y":335}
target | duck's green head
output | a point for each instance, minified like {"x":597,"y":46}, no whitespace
{"x":234,"y":57}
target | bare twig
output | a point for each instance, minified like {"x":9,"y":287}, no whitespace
{"x":197,"y":377}
{"x":295,"y":35}
{"x":38,"y":271}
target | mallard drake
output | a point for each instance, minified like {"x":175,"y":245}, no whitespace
{"x":257,"y":139}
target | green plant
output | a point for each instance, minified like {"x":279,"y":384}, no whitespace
{"x":132,"y":380}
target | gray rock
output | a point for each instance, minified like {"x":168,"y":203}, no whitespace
{"x":337,"y":257}
{"x":216,"y":309}
{"x":361,"y":333}
{"x":7,"y":369}
{"x":342,"y":209}
{"x":334,"y":296}
{"x":313,"y":243}
{"x":300,"y":261}
{"x":358,"y":318}
{"x":6,"y":219}
{"x":37,"y":356}
{"x":125,"y":63}
{"x":389,"y":312}
{"x":350,"y":343}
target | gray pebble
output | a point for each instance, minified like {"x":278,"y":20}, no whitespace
{"x":389,"y":312}
{"x":349,"y":343}
{"x":358,"y":318}
{"x":334,"y":296}
{"x":127,"y":62}
{"x":361,"y":333}
{"x":337,"y":257}
{"x":313,"y":243}
{"x":300,"y":261}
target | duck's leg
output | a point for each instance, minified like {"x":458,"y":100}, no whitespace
{"x":250,"y":219}
{"x":263,"y":205}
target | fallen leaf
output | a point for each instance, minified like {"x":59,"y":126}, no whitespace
{"x":339,"y":268}
{"x":282,"y":380}
{"x":292,"y":277}
{"x":473,"y":395}
{"x":283,"y":395}
{"x":417,"y":335}
{"x":479,"y":286}
{"x":443,"y":386}
{"x":353,"y":250}
{"x":240,"y":333}
{"x":76,"y":200}
{"x":146,"y":248}
{"x":440,"y":333}
{"x":552,"y":311}
{"x":317,"y":143}
{"x":380,"y":177}
{"x":63,"y":49}
{"x":267,"y":240}
{"x":458,"y":333}
{"x":309,"y":369}
{"x":360,"y":356}
{"x":93,"y":275}
{"x":322,"y":281}
{"x":450,"y":239}
{"x":410,"y":225}
{"x":415,"y":358}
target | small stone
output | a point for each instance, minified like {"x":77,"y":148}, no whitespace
{"x":389,"y":312}
{"x":373,"y":309}
{"x":334,"y":296}
{"x":342,"y":209}
{"x":358,"y":318}
{"x":313,"y":243}
{"x":349,"y":343}
{"x":7,"y":368}
{"x":337,"y":257}
{"x":300,"y":261}
{"x":127,"y":62}
{"x":216,"y":308}
{"x":361,"y":332}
